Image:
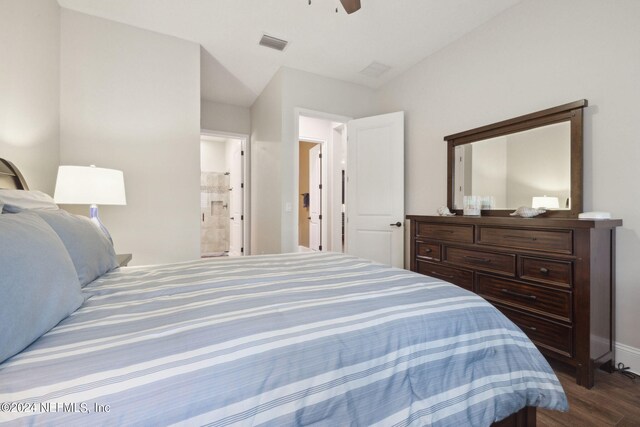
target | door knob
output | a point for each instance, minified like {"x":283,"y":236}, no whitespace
{"x":397,"y":224}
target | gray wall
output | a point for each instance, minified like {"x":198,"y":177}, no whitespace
{"x":29,"y":89}
{"x":266,"y":199}
{"x":538,"y":163}
{"x":536,"y":55}
{"x":130,"y":100}
{"x":225,"y":118}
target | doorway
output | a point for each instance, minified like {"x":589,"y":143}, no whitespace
{"x":222,"y":195}
{"x":321,"y":165}
{"x":310,"y":200}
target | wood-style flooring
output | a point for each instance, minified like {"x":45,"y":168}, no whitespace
{"x":614,"y":400}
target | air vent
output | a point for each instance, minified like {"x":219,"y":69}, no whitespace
{"x":273,"y":42}
{"x":375,"y":69}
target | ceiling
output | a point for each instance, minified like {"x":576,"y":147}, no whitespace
{"x":235,"y":69}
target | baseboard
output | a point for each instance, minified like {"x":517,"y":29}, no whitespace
{"x":629,"y":356}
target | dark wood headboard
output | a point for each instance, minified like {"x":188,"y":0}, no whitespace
{"x":10,"y":176}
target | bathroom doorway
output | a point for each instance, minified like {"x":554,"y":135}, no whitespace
{"x":222,"y":195}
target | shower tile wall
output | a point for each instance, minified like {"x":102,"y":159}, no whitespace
{"x":214,"y":213}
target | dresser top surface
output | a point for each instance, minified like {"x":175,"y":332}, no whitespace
{"x":520,"y":222}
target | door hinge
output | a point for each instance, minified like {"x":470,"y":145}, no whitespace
{"x":242,"y":185}
{"x":241,"y":250}
{"x":320,"y":186}
{"x":319,"y":216}
{"x":320,"y":247}
{"x":242,"y":153}
{"x":320,"y":155}
{"x":241,"y":217}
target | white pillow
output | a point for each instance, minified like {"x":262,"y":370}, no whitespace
{"x":20,"y":200}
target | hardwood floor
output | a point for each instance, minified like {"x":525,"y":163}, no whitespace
{"x":613,"y":401}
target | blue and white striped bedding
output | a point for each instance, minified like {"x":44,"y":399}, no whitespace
{"x":277,"y":340}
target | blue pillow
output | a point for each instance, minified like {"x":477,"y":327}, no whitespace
{"x":38,"y":284}
{"x":91,"y":252}
{"x":13,"y":201}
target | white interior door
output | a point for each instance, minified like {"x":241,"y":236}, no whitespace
{"x":315,"y":198}
{"x":236,"y":197}
{"x":375,"y":188}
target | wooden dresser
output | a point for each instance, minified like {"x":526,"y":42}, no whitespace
{"x":554,"y":278}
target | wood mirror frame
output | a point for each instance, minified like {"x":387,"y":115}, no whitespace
{"x":571,"y":112}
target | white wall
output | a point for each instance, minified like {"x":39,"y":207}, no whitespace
{"x":225,"y":117}
{"x":536,"y":55}
{"x":29,"y":89}
{"x":130,"y":100}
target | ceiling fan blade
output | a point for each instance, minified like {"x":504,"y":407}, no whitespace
{"x":350,"y":5}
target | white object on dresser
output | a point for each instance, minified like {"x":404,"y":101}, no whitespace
{"x":595,"y":215}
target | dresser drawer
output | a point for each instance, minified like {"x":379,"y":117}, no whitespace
{"x":487,"y":261}
{"x":536,"y":299}
{"x":546,"y":271}
{"x":462,"y":278}
{"x":447,"y":232}
{"x":546,"y":334}
{"x":428,"y":251}
{"x":558,"y":241}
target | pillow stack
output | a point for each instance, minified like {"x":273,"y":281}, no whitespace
{"x":13,"y":201}
{"x":47,"y":256}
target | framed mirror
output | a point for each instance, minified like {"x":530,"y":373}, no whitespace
{"x":533,"y":160}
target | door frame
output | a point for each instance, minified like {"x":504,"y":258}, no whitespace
{"x":327,"y":171}
{"x":246,"y":166}
{"x":323,"y":192}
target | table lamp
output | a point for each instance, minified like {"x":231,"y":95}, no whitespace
{"x":545,"y":202}
{"x":89,"y":185}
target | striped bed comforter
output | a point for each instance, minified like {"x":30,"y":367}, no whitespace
{"x":277,"y":340}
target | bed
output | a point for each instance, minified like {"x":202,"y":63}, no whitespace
{"x":289,"y":339}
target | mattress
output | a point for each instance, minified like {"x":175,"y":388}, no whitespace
{"x":293,"y":339}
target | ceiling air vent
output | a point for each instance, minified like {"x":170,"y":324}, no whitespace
{"x":375,"y":69}
{"x":273,"y":42}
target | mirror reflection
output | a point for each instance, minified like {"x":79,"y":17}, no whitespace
{"x":528,"y":168}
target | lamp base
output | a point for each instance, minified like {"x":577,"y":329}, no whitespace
{"x":93,"y":216}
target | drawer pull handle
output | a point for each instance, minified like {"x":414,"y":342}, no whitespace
{"x":531,"y":328}
{"x":446,"y":276}
{"x":517,"y":294}
{"x":427,"y":251}
{"x":533,"y":239}
{"x":544,"y":271}
{"x":477,"y":260}
{"x":444,"y":231}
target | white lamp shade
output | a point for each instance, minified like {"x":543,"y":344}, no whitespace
{"x":545,"y":202}
{"x":89,"y":185}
